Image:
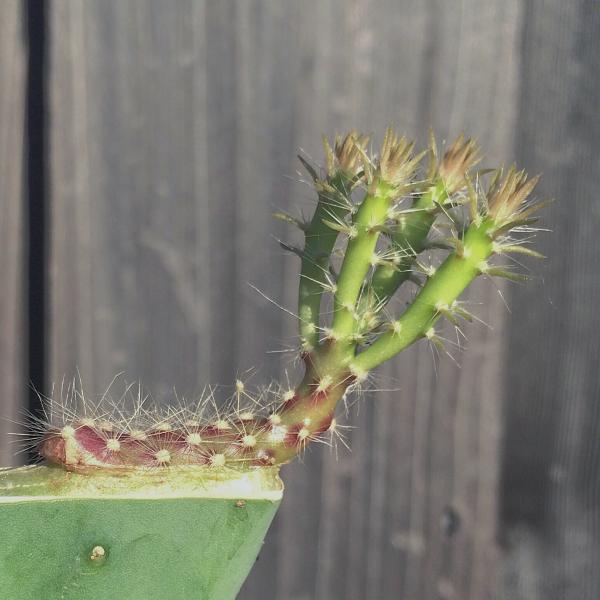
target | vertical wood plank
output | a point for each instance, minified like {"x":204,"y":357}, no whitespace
{"x":132,"y":205}
{"x":551,"y":482}
{"x":13,"y":269}
{"x":265,"y":68}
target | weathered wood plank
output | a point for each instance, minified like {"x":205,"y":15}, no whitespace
{"x":130,"y":198}
{"x":13,"y":269}
{"x":551,"y":476}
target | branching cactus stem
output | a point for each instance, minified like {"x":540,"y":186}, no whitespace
{"x":174,"y":502}
{"x":389,"y":222}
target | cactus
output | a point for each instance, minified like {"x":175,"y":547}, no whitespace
{"x":375,"y":224}
{"x":191,"y":535}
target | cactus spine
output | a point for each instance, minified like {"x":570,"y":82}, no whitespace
{"x":383,"y":218}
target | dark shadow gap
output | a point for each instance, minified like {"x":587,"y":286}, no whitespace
{"x":35,"y":17}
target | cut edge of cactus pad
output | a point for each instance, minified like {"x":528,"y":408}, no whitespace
{"x":39,"y":482}
{"x":169,"y":534}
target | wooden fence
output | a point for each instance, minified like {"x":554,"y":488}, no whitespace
{"x":171,"y":130}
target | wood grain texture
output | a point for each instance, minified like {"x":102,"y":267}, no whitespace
{"x":173,"y":134}
{"x":13,"y":388}
{"x":551,"y":475}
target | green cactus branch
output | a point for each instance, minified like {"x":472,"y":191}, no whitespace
{"x":321,"y":233}
{"x":409,"y":237}
{"x":358,"y":259}
{"x":436,"y":298}
{"x":314,"y":274}
{"x":386,"y":181}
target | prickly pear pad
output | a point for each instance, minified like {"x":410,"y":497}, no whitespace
{"x":190,"y":535}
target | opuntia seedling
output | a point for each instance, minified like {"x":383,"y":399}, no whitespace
{"x":381,"y":220}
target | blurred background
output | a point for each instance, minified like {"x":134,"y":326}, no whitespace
{"x":144,"y":146}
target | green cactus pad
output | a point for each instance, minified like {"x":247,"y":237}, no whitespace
{"x":193,"y":534}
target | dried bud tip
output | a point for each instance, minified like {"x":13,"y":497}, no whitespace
{"x":346,"y":155}
{"x":396,"y":161}
{"x":462,"y":155}
{"x":507,"y":195}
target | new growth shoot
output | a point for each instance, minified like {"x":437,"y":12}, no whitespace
{"x":382,"y":212}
